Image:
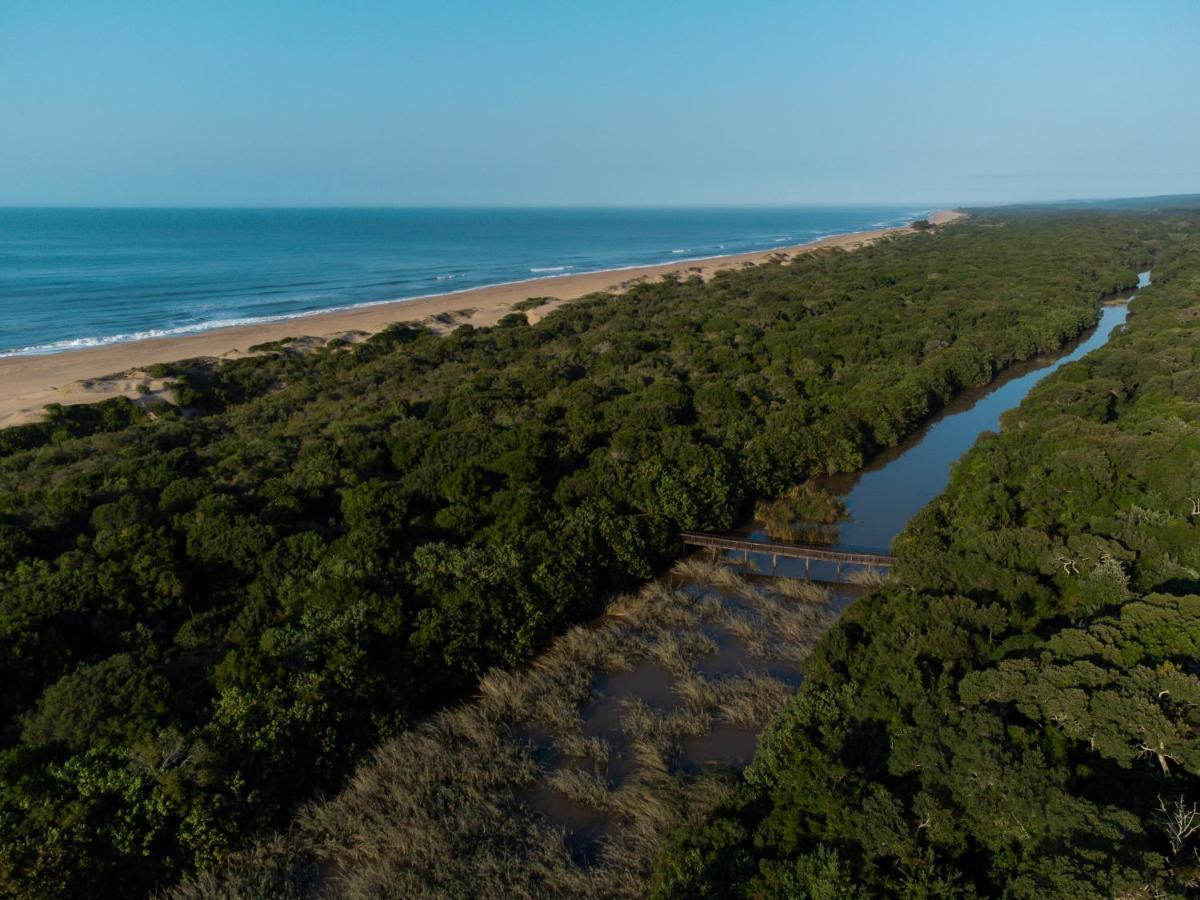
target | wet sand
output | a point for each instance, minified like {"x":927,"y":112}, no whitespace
{"x":28,"y":383}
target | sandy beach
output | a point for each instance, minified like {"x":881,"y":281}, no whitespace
{"x":28,"y":383}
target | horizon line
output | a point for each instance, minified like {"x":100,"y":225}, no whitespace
{"x":591,"y":206}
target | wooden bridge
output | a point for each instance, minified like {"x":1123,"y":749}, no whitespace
{"x":806,"y":552}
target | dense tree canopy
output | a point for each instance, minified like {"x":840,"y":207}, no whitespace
{"x":208,"y":612}
{"x":1019,"y":714}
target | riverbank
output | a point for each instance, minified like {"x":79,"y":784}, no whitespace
{"x":513,"y":482}
{"x":629,"y":726}
{"x":98,"y":373}
{"x":1034,"y":577}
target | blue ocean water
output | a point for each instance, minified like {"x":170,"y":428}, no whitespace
{"x":83,"y":277}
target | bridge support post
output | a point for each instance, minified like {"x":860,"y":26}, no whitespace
{"x":726,"y":549}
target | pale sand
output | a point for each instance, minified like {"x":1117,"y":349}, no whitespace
{"x":28,"y":383}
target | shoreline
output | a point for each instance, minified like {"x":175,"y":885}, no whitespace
{"x":92,"y":374}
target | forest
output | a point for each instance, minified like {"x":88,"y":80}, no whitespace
{"x":210,"y":611}
{"x":1018,"y":713}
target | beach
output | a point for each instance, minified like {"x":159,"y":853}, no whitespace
{"x":29,"y":383}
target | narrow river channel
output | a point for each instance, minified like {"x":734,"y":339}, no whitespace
{"x":744,"y":638}
{"x":883,"y":496}
{"x":563,"y":777}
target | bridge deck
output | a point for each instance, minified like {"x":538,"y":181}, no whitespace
{"x":794,"y":551}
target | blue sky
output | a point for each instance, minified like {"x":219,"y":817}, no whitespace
{"x":570,"y":102}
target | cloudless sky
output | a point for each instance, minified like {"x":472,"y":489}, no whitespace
{"x":493,"y":102}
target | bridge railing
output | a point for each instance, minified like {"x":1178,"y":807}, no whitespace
{"x":793,"y":551}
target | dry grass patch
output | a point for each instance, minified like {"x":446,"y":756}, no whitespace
{"x":478,"y":801}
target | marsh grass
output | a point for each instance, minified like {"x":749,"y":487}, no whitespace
{"x":868,"y":578}
{"x":804,"y":591}
{"x":695,"y":568}
{"x":512,"y":794}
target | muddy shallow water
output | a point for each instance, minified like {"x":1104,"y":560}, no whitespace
{"x":725,"y":745}
{"x":622,"y":718}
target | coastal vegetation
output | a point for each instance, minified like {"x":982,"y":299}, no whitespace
{"x":804,"y":513}
{"x":210,"y":611}
{"x":559,"y":780}
{"x":1018,"y":713}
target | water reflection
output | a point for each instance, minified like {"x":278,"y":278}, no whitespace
{"x":683,"y":706}
{"x":881,"y":498}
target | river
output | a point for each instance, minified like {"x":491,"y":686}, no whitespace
{"x":882,"y":497}
{"x":562,"y":778}
{"x":879,"y":500}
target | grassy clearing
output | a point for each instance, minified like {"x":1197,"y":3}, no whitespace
{"x":544,"y":785}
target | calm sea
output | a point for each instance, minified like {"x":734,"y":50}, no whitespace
{"x":82,"y":277}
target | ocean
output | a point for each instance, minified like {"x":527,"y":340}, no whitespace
{"x":73,"y":278}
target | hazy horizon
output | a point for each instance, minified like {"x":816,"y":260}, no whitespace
{"x":832,"y":204}
{"x":542,"y":105}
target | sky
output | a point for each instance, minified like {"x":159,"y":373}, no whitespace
{"x":567,"y":102}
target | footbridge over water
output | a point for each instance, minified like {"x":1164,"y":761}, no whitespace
{"x":775,"y":550}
